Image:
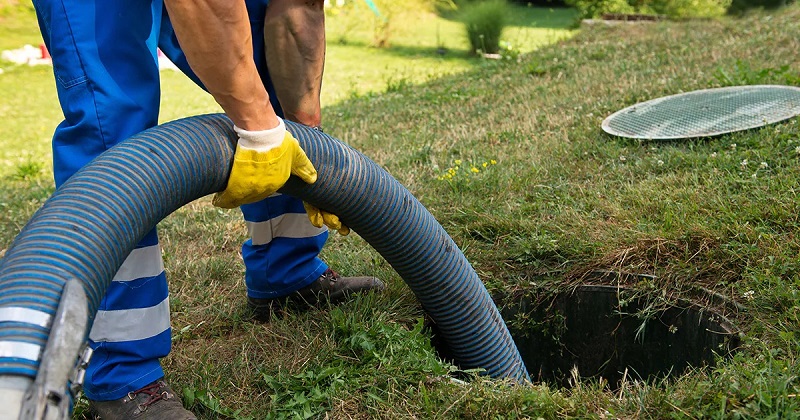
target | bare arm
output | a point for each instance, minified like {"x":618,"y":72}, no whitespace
{"x":294,"y":35}
{"x":215,"y":36}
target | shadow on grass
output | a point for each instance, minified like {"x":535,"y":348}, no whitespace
{"x":413,"y":51}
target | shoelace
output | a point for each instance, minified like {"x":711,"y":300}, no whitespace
{"x":154,"y":394}
{"x":331,"y":275}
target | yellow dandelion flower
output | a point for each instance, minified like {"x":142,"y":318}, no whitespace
{"x":493,"y":162}
{"x":475,"y":170}
{"x":485,"y":164}
{"x":457,"y":162}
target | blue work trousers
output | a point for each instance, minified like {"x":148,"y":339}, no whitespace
{"x":106,"y":70}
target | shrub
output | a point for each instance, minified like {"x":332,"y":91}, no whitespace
{"x":676,"y":9}
{"x":589,"y":9}
{"x":484,"y":23}
{"x":682,"y":9}
{"x":542,"y":3}
{"x":739,"y":6}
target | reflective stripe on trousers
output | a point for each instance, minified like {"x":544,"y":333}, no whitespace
{"x":107,"y":78}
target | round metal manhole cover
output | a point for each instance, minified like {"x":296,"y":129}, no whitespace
{"x":705,"y":113}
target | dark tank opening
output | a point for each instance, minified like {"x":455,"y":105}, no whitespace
{"x":595,"y":332}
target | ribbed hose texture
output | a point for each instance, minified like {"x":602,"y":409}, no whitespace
{"x":87,"y":228}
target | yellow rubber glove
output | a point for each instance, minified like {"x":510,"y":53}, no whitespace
{"x":321,"y":217}
{"x":262,"y":163}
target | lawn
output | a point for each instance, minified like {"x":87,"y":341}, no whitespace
{"x":353,"y":68}
{"x":712,"y":223}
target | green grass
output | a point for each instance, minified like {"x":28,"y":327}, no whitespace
{"x":353,"y":68}
{"x":424,"y":46}
{"x":562,"y":200}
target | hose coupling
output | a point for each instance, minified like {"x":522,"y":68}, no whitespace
{"x":63,"y":362}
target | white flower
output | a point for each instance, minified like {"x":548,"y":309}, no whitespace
{"x":764,"y":165}
{"x":660,"y":162}
{"x":797,"y":150}
{"x":733,"y":146}
{"x":713,"y":155}
{"x":743,"y":163}
{"x":622,"y":158}
{"x":749,"y":294}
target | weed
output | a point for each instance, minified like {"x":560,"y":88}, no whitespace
{"x":463,"y":175}
{"x":743,"y":74}
{"x":508,"y":52}
{"x":397,"y":83}
{"x":303,"y":395}
{"x":544,"y":66}
{"x":28,"y":170}
{"x":204,"y":401}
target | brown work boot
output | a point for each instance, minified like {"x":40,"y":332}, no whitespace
{"x":156,"y":401}
{"x":329,"y":287}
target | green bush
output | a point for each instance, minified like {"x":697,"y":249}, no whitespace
{"x":675,"y":9}
{"x":739,"y":6}
{"x":682,"y":9}
{"x":590,"y":9}
{"x":484,"y":23}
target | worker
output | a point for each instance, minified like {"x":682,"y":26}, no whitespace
{"x":261,"y":60}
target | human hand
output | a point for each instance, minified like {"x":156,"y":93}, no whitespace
{"x":262,"y":163}
{"x":320,"y":217}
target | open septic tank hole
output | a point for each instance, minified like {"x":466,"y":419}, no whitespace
{"x":597,"y":332}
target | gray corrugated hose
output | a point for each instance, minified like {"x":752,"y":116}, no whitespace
{"x":88,"y":227}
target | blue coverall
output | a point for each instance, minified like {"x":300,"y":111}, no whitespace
{"x":107,"y":77}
